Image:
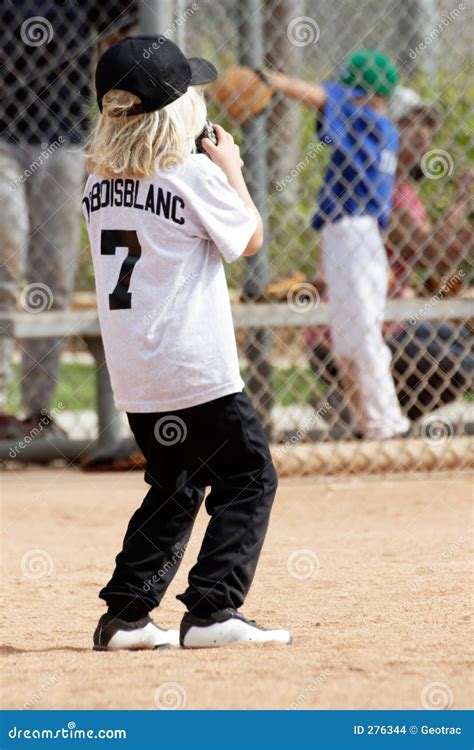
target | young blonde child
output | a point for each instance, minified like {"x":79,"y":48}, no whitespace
{"x":160,"y":219}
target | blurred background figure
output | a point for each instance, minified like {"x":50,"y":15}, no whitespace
{"x":416,"y":245}
{"x":46,"y":78}
{"x":353,"y":211}
{"x":432,"y":364}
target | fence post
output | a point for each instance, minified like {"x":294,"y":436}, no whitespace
{"x":107,"y":415}
{"x":259,"y":340}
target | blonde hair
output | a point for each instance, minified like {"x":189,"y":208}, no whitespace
{"x":134,"y":146}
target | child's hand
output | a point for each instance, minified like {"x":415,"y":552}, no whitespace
{"x":226,"y":154}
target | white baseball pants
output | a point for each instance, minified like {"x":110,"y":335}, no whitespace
{"x":356,"y":270}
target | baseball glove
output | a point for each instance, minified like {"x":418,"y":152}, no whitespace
{"x":279,"y":290}
{"x":242,"y":92}
{"x":449,"y":286}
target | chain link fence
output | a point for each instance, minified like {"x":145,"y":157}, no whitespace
{"x":327,"y":356}
{"x":48,"y":54}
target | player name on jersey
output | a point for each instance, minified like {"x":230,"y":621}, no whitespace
{"x":125,"y":193}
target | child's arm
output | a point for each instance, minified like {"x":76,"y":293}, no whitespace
{"x":226,"y":154}
{"x":307,"y":93}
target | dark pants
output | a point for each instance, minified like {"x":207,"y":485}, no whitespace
{"x":220,"y":444}
{"x":432,"y":365}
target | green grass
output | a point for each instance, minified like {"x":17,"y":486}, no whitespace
{"x":292,"y":386}
{"x":76,"y":390}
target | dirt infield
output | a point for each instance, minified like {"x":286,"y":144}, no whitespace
{"x":371,"y":576}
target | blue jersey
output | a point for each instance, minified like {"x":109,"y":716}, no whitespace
{"x":359,"y":179}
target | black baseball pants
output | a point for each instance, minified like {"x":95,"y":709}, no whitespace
{"x":220,"y":444}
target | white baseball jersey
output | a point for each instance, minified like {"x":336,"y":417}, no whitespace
{"x":162,"y":297}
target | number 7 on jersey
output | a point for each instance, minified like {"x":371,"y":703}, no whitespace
{"x":110,"y":239}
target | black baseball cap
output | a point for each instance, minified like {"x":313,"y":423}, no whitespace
{"x":153,"y":68}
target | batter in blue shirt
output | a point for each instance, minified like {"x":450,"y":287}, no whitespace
{"x":353,"y":209}
{"x":360,"y":175}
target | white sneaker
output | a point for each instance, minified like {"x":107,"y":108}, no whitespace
{"x":114,"y":634}
{"x":225,"y":627}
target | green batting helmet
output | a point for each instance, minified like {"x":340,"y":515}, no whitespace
{"x":370,"y":71}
